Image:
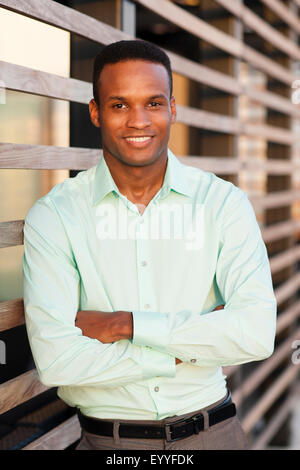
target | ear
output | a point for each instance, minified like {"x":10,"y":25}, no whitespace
{"x":94,"y":113}
{"x":173,"y":110}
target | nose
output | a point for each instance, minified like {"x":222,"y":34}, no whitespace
{"x":138,"y":118}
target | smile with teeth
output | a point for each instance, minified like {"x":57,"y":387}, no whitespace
{"x":138,"y":139}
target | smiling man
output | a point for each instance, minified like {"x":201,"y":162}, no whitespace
{"x":134,"y":329}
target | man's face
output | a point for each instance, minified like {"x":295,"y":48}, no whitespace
{"x":135,"y":112}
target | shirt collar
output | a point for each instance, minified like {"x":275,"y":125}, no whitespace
{"x":174,"y":179}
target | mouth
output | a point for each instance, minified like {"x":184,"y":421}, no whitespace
{"x":138,"y":142}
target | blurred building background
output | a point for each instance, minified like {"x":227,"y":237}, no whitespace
{"x":235,"y":69}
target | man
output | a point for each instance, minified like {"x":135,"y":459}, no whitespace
{"x":127,"y":268}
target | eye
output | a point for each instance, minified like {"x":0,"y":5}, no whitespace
{"x":154,"y":104}
{"x":119,"y":105}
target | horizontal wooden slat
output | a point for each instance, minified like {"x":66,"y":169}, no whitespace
{"x":269,"y":397}
{"x":284,"y":259}
{"x":194,"y":25}
{"x":220,"y":165}
{"x":230,"y":370}
{"x":11,"y":233}
{"x":280,"y":230}
{"x":11,"y":314}
{"x":66,"y":18}
{"x":217,"y":38}
{"x":77,"y":22}
{"x":263,"y":370}
{"x":271,"y":133}
{"x":278,"y":418}
{"x":271,"y":100}
{"x":271,"y":166}
{"x":275,"y":199}
{"x":47,"y":157}
{"x":19,"y":78}
{"x":207,"y":120}
{"x":284,"y":13}
{"x":58,"y":438}
{"x":287,"y":288}
{"x":268,"y":66}
{"x":203,"y":74}
{"x":41,"y":83}
{"x":226,"y":124}
{"x":261,"y":27}
{"x":287,"y":317}
{"x":51,"y":157}
{"x":20,"y":389}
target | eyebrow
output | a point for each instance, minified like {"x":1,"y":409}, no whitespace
{"x":122,"y":98}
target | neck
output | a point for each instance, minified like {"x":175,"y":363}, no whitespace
{"x":138,"y":183}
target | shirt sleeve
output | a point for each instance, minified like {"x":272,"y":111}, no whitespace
{"x":51,"y":286}
{"x":244,"y":330}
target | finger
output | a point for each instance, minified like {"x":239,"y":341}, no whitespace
{"x":219,"y":307}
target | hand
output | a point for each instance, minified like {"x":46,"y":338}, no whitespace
{"x":219,"y":307}
{"x":106,"y":327}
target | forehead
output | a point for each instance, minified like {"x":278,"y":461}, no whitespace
{"x":132,"y":76}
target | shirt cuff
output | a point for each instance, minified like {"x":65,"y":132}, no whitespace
{"x":157,"y":364}
{"x":151,"y":329}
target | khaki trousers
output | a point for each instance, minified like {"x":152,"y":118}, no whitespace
{"x":226,"y":435}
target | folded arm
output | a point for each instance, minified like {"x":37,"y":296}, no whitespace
{"x":62,"y":354}
{"x":244,"y":330}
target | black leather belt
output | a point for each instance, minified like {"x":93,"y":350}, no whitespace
{"x":170,"y":431}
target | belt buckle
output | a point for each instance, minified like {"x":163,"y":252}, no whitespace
{"x":194,"y":420}
{"x":169,"y":432}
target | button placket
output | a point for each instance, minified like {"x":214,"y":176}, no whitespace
{"x":146,"y":294}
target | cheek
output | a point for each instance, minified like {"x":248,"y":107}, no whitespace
{"x":110,"y":126}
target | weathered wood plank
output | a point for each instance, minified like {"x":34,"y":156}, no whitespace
{"x":288,"y":317}
{"x":19,"y":78}
{"x":217,"y":38}
{"x":11,"y":314}
{"x":58,"y":438}
{"x":284,"y":13}
{"x":269,"y":397}
{"x":66,"y":18}
{"x":20,"y":389}
{"x":264,"y":369}
{"x":77,"y":22}
{"x":284,"y":259}
{"x":277,"y":420}
{"x":11,"y":233}
{"x":287,"y":288}
{"x":217,"y":165}
{"x":276,"y":199}
{"x":47,"y":157}
{"x":51,"y":157}
{"x":261,"y":27}
{"x":280,"y":230}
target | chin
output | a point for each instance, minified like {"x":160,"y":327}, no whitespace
{"x":138,"y":161}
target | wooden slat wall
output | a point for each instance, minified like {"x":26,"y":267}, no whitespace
{"x":15,"y":77}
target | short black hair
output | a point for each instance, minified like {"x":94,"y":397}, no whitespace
{"x":129,"y":50}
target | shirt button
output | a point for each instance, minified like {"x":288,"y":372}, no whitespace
{"x":156,"y":389}
{"x":194,"y":360}
{"x":144,"y":263}
{"x":147,"y":305}
{"x":141,"y":221}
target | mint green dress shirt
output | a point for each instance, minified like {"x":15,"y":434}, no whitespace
{"x":197,"y":245}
